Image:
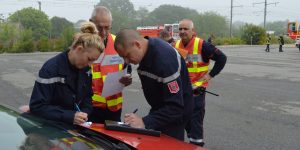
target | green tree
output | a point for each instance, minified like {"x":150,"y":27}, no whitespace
{"x":43,"y":45}
{"x":58,"y":25}
{"x":66,"y":39}
{"x":123,"y":13}
{"x":279,"y":27}
{"x":237,"y":28}
{"x":33,"y":19}
{"x":124,"y":7}
{"x":170,"y":14}
{"x":253,"y":34}
{"x":24,"y":43}
{"x":141,"y":15}
{"x":211,"y":22}
{"x":9,"y":34}
{"x":77,"y":25}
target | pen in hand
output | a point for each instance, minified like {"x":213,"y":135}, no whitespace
{"x":77,"y":107}
{"x":135,"y":111}
{"x":80,"y":117}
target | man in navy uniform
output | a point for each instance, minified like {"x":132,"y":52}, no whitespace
{"x":165,"y":83}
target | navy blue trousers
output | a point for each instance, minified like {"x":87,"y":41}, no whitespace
{"x":194,"y":127}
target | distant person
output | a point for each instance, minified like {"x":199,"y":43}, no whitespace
{"x":165,"y":35}
{"x":62,"y":90}
{"x":211,"y":39}
{"x":109,"y":107}
{"x":165,"y":83}
{"x":281,"y":43}
{"x":268,"y":41}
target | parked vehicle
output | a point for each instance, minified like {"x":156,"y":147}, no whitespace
{"x":24,"y":131}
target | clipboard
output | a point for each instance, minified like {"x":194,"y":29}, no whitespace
{"x":120,"y":126}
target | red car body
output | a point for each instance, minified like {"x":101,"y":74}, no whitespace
{"x":145,"y":142}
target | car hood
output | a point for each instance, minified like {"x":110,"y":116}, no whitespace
{"x":145,"y":142}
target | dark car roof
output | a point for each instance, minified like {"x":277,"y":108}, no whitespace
{"x":25,"y":131}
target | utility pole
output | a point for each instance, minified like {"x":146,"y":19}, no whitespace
{"x":40,"y":3}
{"x":265,"y":10}
{"x":231,"y":16}
{"x":231,"y":9}
{"x":265,"y":14}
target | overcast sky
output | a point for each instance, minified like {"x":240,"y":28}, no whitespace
{"x":74,"y":10}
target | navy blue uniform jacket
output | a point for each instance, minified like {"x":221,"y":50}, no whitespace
{"x":166,"y":86}
{"x":58,"y":87}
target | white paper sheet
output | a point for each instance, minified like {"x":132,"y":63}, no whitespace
{"x":112,"y":85}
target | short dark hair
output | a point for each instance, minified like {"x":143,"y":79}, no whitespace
{"x":164,"y":34}
{"x":125,"y":36}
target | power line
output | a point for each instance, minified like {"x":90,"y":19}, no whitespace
{"x":265,"y":9}
{"x":231,"y":16}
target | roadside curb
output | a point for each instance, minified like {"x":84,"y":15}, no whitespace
{"x":237,"y":46}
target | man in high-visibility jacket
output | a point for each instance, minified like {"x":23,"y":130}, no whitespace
{"x":199,"y":55}
{"x":268,"y":41}
{"x":106,"y":108}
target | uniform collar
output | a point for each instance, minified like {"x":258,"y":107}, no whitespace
{"x":149,"y":56}
{"x":66,"y":67}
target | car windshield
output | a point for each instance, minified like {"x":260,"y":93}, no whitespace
{"x":27,"y":132}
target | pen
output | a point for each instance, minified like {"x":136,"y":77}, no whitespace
{"x":77,"y":108}
{"x":135,"y":111}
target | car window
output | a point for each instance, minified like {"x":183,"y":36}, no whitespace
{"x":28,"y":132}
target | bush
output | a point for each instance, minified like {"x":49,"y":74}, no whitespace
{"x":24,"y":44}
{"x":23,"y":47}
{"x":288,"y":40}
{"x":66,"y":38}
{"x":44,"y":45}
{"x":228,"y":41}
{"x":1,"y":48}
{"x":9,"y":33}
{"x":253,"y":34}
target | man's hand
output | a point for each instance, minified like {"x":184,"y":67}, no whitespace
{"x":126,"y":80}
{"x":134,"y":120}
{"x":206,"y":78}
{"x":80,"y":117}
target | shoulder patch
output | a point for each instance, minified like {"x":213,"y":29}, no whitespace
{"x":173,"y":87}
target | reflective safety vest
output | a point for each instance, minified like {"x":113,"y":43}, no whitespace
{"x":108,"y":62}
{"x":196,"y":67}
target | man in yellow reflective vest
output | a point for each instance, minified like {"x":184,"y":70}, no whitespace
{"x":199,"y":54}
{"x":106,"y":108}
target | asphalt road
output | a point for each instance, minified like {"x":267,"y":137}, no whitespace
{"x":258,"y":107}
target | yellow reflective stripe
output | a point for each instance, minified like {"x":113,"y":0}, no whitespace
{"x":120,"y":67}
{"x":103,"y":77}
{"x":96,"y":75}
{"x":195,"y":51}
{"x":196,"y":46}
{"x":113,"y":37}
{"x":199,"y":83}
{"x":98,"y":98}
{"x":199,"y":69}
{"x":114,"y":102}
{"x":177,"y":44}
